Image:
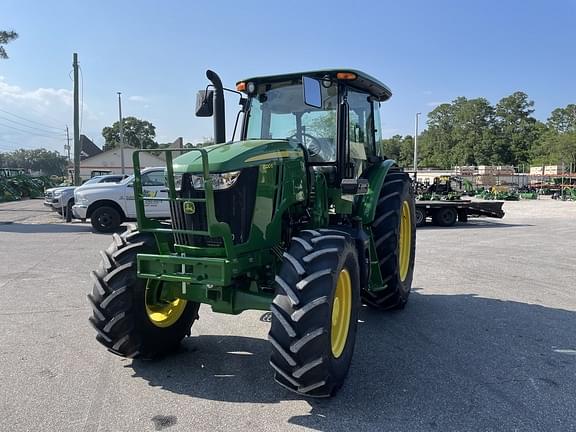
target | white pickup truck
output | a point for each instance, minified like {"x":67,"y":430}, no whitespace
{"x":62,"y":198}
{"x":107,"y":205}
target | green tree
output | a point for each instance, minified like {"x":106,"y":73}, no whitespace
{"x":563,"y":120}
{"x":391,"y":147}
{"x":436,"y":143}
{"x":137,"y":133}
{"x":6,"y":37}
{"x":518,"y":131}
{"x":49,"y":162}
{"x":399,"y":148}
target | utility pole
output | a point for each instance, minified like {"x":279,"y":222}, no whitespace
{"x":67,"y":146}
{"x":76,"y":124}
{"x":121,"y":131}
{"x":416,"y":145}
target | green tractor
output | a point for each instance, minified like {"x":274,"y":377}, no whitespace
{"x":303,"y":217}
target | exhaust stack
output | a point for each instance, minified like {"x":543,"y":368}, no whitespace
{"x":219,"y":111}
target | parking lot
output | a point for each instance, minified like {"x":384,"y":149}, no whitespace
{"x":487,"y":341}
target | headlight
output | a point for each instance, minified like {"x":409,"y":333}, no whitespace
{"x":219,"y":181}
{"x":57,"y":194}
{"x":178,"y":181}
{"x":80,"y":199}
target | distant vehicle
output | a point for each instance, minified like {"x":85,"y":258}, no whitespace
{"x":11,"y":172}
{"x":442,"y":202}
{"x":63,"y":197}
{"x":108,"y":205}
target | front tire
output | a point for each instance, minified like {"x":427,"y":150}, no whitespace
{"x":105,"y":219}
{"x":315,"y":313}
{"x":394,"y":232}
{"x":128,"y":323}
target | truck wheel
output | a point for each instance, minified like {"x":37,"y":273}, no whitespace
{"x":420,"y":216}
{"x":69,"y":210}
{"x":394,"y":231}
{"x":105,"y":219}
{"x":315,"y":313}
{"x":445,"y":217}
{"x":128,"y":316}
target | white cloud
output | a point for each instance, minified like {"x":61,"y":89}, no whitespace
{"x":137,"y":98}
{"x":36,"y":118}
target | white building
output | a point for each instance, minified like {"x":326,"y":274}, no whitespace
{"x":109,"y":162}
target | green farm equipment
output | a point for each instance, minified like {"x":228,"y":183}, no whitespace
{"x":303,"y":217}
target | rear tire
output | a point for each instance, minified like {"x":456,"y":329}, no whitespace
{"x":313,"y":319}
{"x":396,"y":197}
{"x":119,"y":305}
{"x":105,"y":219}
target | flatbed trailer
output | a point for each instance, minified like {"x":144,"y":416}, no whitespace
{"x":447,"y":213}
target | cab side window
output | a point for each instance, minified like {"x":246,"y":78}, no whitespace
{"x":360,"y":130}
{"x":154,"y":178}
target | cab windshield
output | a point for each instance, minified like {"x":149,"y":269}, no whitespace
{"x":277,"y":111}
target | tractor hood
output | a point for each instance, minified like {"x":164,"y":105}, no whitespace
{"x":238,"y":155}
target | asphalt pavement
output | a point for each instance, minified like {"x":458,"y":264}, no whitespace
{"x":486,"y":343}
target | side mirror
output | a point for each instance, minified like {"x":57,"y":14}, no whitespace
{"x":312,"y":92}
{"x":205,"y":103}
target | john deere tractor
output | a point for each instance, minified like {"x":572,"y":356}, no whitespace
{"x":303,"y":217}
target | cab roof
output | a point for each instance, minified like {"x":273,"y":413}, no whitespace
{"x":362,"y":81}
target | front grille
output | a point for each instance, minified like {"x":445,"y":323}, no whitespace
{"x":234,"y":205}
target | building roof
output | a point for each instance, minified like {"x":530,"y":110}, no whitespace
{"x":88,"y":148}
{"x":112,"y":159}
{"x":363,"y":81}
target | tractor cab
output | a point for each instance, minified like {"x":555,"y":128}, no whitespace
{"x":333,"y":115}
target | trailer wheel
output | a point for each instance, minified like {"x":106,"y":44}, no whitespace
{"x":445,"y":216}
{"x":420,"y":216}
{"x":315,"y":313}
{"x":394,"y":232}
{"x":128,"y":316}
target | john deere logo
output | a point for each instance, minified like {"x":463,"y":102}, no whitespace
{"x":189,"y":207}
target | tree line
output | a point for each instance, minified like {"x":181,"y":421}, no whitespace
{"x":46,"y":161}
{"x":473,"y":132}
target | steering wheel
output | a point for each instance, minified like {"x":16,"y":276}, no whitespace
{"x":311,"y":143}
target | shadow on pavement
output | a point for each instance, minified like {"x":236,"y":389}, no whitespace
{"x":447,"y":362}
{"x":474,"y":224}
{"x":52,"y":228}
{"x":44,"y":228}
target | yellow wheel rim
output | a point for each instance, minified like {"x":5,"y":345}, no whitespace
{"x":165,"y":314}
{"x":341,"y":311}
{"x":405,"y":241}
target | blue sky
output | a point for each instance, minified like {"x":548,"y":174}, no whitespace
{"x":156,"y":54}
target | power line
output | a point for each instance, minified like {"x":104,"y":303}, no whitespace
{"x":32,"y":133}
{"x":31,"y":121}
{"x":31,"y":127}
